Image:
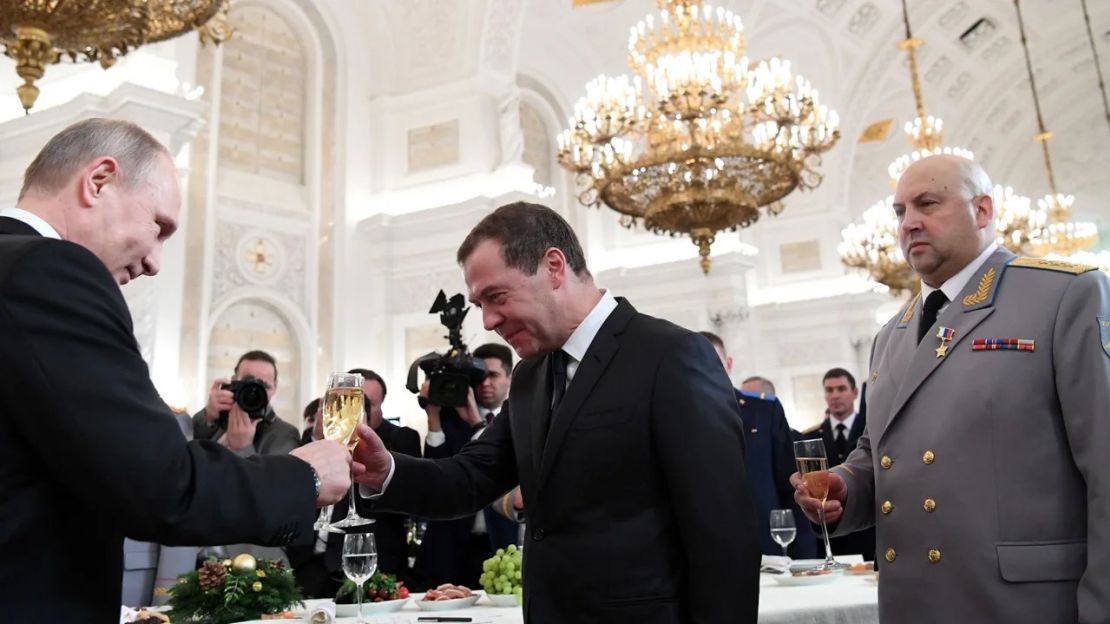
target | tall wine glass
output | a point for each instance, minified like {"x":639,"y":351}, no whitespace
{"x":341,"y":413}
{"x":783,"y":530}
{"x":360,"y":559}
{"x":814,"y":468}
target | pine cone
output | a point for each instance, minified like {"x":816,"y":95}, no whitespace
{"x":211,"y":575}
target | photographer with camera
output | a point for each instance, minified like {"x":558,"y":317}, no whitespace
{"x":454,"y":550}
{"x":239,"y":414}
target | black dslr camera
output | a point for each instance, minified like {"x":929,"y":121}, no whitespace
{"x":250,"y":396}
{"x":451,"y":374}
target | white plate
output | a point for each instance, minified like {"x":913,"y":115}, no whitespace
{"x":370,"y":608}
{"x":820,"y":579}
{"x":503,"y":600}
{"x":446,"y":605}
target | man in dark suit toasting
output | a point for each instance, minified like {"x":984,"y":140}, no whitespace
{"x":622,"y":430}
{"x":90,"y":453}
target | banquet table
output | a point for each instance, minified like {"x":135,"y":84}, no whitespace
{"x":847,"y":600}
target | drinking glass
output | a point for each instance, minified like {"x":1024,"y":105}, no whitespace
{"x":782,"y":528}
{"x":360,"y":559}
{"x":341,"y":413}
{"x":814,"y":468}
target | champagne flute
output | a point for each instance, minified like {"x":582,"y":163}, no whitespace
{"x":340,"y":414}
{"x":783,"y":530}
{"x":360,"y":559}
{"x":813,"y":465}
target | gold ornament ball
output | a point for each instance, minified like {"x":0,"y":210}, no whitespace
{"x":257,"y":586}
{"x":244,"y":563}
{"x":226,"y":563}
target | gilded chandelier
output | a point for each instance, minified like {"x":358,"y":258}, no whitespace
{"x":871,"y":244}
{"x":698,"y":141}
{"x":37,"y":33}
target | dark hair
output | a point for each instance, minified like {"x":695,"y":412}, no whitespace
{"x":499,"y":351}
{"x":311,"y":409}
{"x":258,"y":356}
{"x":768,"y":387}
{"x":714,"y":340}
{"x":69,"y":150}
{"x":525,"y":232}
{"x":839,"y":372}
{"x":370,"y":375}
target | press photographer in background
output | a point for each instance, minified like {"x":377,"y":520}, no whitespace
{"x":456,"y":549}
{"x":239,"y":414}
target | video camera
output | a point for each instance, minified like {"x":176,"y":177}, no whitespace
{"x":251,"y":397}
{"x":452,"y":374}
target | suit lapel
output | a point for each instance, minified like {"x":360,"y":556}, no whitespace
{"x":974,"y":304}
{"x":540,"y":409}
{"x":600,"y":352}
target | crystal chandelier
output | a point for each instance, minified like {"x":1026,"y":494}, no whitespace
{"x":37,"y":33}
{"x":698,"y":141}
{"x":871,"y":244}
{"x":1059,"y":235}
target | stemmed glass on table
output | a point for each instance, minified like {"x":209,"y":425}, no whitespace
{"x":783,"y":530}
{"x":360,"y":559}
{"x":342,"y":412}
{"x":814,"y":468}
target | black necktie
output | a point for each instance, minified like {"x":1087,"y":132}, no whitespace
{"x":841,"y":442}
{"x":933,"y":304}
{"x":558,"y":378}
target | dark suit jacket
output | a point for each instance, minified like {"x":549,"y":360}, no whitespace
{"x":770,"y":460}
{"x":388,"y":528}
{"x":446,"y":554}
{"x":91,"y":454}
{"x":639,"y":507}
{"x":861,"y":542}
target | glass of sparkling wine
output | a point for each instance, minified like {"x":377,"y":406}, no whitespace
{"x":342,"y":411}
{"x":360,"y":559}
{"x":783,"y":530}
{"x":814,"y":468}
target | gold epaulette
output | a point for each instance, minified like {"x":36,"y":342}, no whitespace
{"x":814,"y":429}
{"x":1053,"y":265}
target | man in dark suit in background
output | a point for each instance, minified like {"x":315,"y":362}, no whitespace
{"x":453,"y":550}
{"x":841,"y":430}
{"x":622,"y":430}
{"x":318,"y":568}
{"x":769,"y":451}
{"x":90,"y":453}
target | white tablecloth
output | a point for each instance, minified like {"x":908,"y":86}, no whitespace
{"x":847,"y":600}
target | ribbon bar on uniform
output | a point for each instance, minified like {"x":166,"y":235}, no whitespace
{"x":1002,"y":344}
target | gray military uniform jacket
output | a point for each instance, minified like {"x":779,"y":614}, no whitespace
{"x":987,"y":472}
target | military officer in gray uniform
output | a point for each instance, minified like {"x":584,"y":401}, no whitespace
{"x":984,"y":462}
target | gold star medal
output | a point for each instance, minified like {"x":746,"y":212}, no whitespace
{"x":945,"y":334}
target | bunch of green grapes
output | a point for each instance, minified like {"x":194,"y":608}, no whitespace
{"x":501,"y":573}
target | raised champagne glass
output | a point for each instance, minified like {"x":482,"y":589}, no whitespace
{"x":813,"y":465}
{"x":344,"y":408}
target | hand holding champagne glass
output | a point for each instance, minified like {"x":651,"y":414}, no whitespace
{"x":813,"y":466}
{"x":342,"y":411}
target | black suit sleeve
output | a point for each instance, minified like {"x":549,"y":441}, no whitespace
{"x":698,"y":435}
{"x":80,"y":394}
{"x":457,"y":486}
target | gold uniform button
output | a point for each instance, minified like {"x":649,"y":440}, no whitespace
{"x":929,"y":505}
{"x":887,"y":507}
{"x":891,"y":555}
{"x":934,"y":555}
{"x":886,"y":462}
{"x":928,"y":457}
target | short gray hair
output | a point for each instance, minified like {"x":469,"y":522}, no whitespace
{"x":133,"y":148}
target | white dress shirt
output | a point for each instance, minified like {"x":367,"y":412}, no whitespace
{"x":847,"y":422}
{"x":33,"y":220}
